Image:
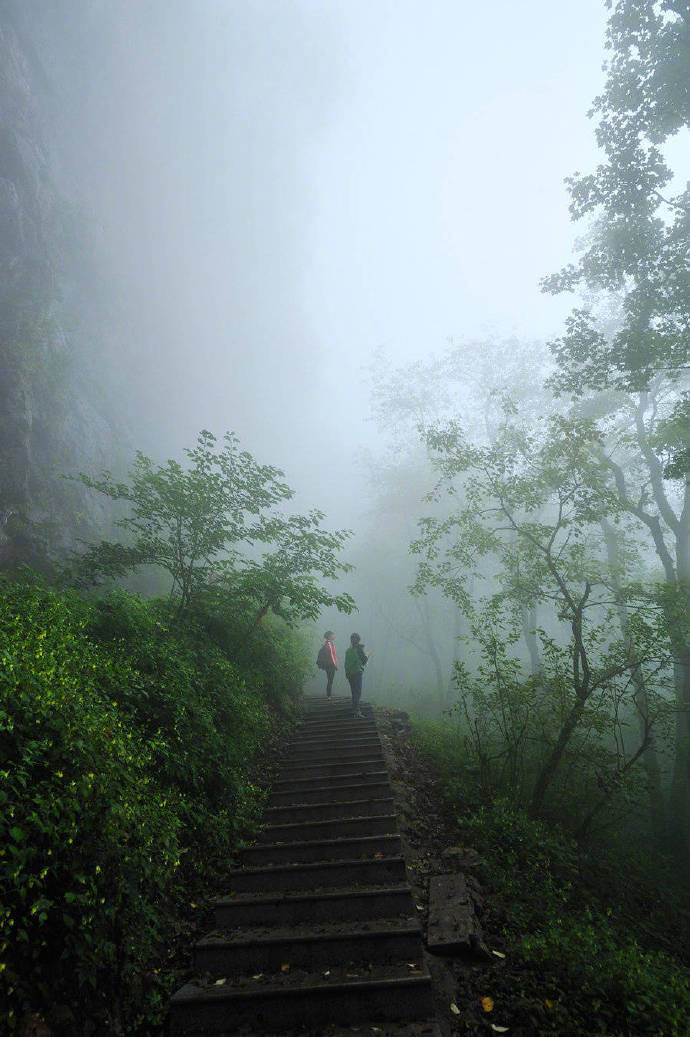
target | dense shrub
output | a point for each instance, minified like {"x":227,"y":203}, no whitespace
{"x":590,"y":948}
{"x":128,"y":748}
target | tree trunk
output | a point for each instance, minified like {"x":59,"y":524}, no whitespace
{"x":650,"y":759}
{"x":529,"y":624}
{"x":551,"y":766}
{"x":680,"y":785}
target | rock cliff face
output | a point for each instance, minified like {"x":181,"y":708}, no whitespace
{"x":49,"y":423}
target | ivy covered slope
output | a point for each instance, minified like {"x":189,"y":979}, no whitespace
{"x":132,"y":732}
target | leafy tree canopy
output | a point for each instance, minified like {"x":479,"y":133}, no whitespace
{"x":201,"y":524}
{"x":639,"y":245}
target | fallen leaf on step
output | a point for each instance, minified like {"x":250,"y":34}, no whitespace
{"x":499,"y":1029}
{"x":498,"y":954}
{"x":326,"y":973}
{"x":219,"y":982}
{"x":284,"y":968}
{"x":454,"y":1008}
{"x":259,"y":975}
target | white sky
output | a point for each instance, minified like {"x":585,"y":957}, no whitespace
{"x":284,"y":186}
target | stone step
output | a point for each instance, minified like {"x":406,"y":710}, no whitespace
{"x":318,"y":753}
{"x":335,"y":729}
{"x":388,"y":993}
{"x":327,"y":811}
{"x":344,"y":719}
{"x":329,"y":784}
{"x":308,"y":792}
{"x":350,"y":848}
{"x":320,"y":934}
{"x":311,"y":830}
{"x":309,"y":946}
{"x":322,"y":875}
{"x":340,"y":904}
{"x":337,"y":737}
{"x":328,"y":770}
{"x":335,"y":752}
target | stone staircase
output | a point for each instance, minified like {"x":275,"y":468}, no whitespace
{"x":319,"y":934}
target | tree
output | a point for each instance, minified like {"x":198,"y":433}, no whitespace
{"x":200,"y":523}
{"x":532,"y":501}
{"x":638,"y":250}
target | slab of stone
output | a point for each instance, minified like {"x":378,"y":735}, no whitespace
{"x":452,"y":927}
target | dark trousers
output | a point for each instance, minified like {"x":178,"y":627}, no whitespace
{"x":330,"y":674}
{"x":356,"y":688}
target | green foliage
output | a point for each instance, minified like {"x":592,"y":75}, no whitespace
{"x":639,"y":243}
{"x":199,"y":522}
{"x":571,"y":965}
{"x":529,"y":516}
{"x":130,"y":748}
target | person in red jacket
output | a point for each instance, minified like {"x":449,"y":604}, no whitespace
{"x":329,"y":661}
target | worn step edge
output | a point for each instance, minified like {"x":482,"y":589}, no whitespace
{"x":207,"y":1009}
{"x":324,"y":875}
{"x":329,"y":896}
{"x":353,"y":808}
{"x":341,"y":722}
{"x":336,"y":728}
{"x":339,"y":781}
{"x":395,"y":943}
{"x":335,"y":738}
{"x":334,"y":755}
{"x":315,"y":793}
{"x":328,"y":770}
{"x":347,"y":848}
{"x":254,"y":911}
{"x":326,"y":755}
{"x":379,"y":824}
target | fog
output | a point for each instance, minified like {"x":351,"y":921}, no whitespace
{"x":276,"y":190}
{"x":279,"y":207}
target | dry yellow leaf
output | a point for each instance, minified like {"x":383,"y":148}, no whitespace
{"x":549,"y":1004}
{"x":454,"y":1008}
{"x":284,"y":968}
{"x":488,"y":1004}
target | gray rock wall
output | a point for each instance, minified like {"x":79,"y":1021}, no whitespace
{"x":53,"y":417}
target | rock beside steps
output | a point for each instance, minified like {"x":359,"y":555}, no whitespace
{"x":319,"y":933}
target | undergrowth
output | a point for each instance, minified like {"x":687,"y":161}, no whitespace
{"x":596,"y":938}
{"x":130,"y":755}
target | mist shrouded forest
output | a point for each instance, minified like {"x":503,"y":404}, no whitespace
{"x":345,"y":316}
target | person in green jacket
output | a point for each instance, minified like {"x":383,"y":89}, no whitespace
{"x":356,"y":658}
